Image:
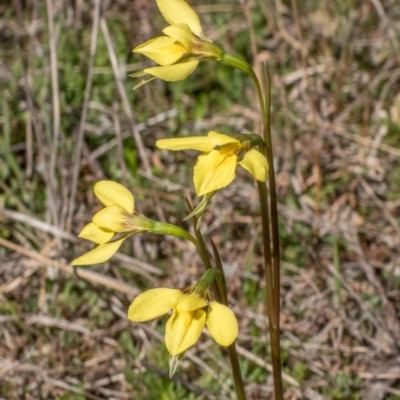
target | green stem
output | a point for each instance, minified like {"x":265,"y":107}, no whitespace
{"x":221,"y":276}
{"x":272,"y":185}
{"x":272,"y":264}
{"x":233,"y":357}
{"x":163,"y":228}
{"x":237,"y":374}
{"x":263,"y":196}
{"x":236,"y":62}
{"x":221,"y":297}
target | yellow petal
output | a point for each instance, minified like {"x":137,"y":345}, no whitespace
{"x":109,"y":193}
{"x":114,"y":218}
{"x":152,"y":304}
{"x":190,"y":302}
{"x":213,"y":171}
{"x":201,"y":143}
{"x":163,"y":50}
{"x":183,"y":330}
{"x":97,"y":235}
{"x":256,"y":164}
{"x":173,"y":73}
{"x":179,"y":12}
{"x":222,"y":323}
{"x":99,"y":254}
{"x":182,"y":34}
{"x":219,"y":139}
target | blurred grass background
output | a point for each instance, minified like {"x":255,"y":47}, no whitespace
{"x":69,"y":118}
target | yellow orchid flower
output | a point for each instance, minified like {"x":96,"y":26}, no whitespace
{"x":215,"y":167}
{"x":118,"y":217}
{"x":184,"y":45}
{"x":191,"y":312}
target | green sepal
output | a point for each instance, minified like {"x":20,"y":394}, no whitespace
{"x":143,"y":81}
{"x":174,"y":362}
{"x":206,"y":280}
{"x":199,"y":210}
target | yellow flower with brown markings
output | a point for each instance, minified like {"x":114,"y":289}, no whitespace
{"x":215,"y":167}
{"x":111,"y":225}
{"x":191,"y":313}
{"x":184,"y":46}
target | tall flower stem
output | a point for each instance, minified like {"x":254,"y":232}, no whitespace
{"x":221,"y":297}
{"x":272,"y":184}
{"x":269,"y":216}
{"x":272,"y":264}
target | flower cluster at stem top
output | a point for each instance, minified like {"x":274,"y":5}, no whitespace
{"x":179,"y":52}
